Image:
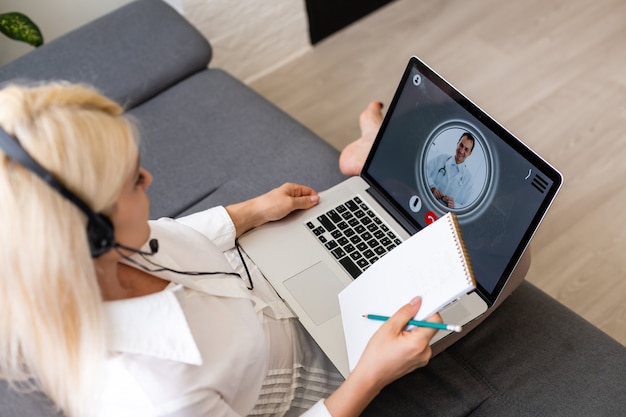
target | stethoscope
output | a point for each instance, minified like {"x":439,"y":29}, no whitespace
{"x":442,"y":171}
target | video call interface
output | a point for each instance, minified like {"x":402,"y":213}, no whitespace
{"x":441,"y":154}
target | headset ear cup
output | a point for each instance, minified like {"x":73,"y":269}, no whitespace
{"x":100,"y":235}
{"x":99,"y":228}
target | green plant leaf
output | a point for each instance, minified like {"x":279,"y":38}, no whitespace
{"x":19,"y":27}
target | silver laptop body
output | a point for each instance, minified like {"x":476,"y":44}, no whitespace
{"x":500,"y":195}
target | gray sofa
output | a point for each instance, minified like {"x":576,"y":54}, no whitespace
{"x":210,"y":140}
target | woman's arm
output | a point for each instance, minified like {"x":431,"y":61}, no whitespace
{"x":271,"y":206}
{"x":391,"y":353}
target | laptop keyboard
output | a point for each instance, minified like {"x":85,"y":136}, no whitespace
{"x":354,"y":235}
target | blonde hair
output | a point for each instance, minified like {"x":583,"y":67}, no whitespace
{"x":51,"y":332}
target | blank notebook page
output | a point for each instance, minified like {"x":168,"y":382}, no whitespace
{"x":433,"y":264}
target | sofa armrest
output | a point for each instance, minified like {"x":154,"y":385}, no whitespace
{"x":130,"y":54}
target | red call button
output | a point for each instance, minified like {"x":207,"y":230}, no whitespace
{"x":430,"y":218}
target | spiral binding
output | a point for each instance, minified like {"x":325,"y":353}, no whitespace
{"x":462,"y":250}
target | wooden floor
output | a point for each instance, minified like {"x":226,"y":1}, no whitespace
{"x":552,"y":71}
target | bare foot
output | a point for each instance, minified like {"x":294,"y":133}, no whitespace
{"x":353,"y":156}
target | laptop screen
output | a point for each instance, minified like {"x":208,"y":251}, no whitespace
{"x":438,"y":152}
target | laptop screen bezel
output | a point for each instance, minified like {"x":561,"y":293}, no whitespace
{"x":502,"y":133}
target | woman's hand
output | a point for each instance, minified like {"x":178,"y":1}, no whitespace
{"x":271,"y":206}
{"x":390,"y":354}
{"x":394,"y":351}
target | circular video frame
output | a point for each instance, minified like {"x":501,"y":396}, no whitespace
{"x":456,"y":167}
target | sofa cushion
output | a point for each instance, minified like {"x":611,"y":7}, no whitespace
{"x":211,"y":129}
{"x":16,"y":402}
{"x":566,"y":367}
{"x":129,"y":55}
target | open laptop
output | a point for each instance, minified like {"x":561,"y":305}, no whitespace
{"x":434,"y":146}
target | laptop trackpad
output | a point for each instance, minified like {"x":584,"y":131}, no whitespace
{"x":316,"y":290}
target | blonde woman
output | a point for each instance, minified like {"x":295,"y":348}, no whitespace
{"x":104,"y":330}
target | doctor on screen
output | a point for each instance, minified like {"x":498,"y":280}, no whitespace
{"x":449,"y":179}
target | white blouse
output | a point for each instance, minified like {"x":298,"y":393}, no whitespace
{"x":206,"y":345}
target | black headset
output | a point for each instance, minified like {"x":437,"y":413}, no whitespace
{"x":99,"y":227}
{"x":100,"y":232}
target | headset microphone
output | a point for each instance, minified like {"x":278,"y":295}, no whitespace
{"x":154,"y":248}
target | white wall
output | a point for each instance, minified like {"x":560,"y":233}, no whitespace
{"x":54,"y":18}
{"x":249,"y":37}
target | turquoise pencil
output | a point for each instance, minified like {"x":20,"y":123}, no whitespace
{"x":439,"y":326}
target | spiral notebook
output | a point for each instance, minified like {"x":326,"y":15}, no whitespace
{"x":433,"y":263}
